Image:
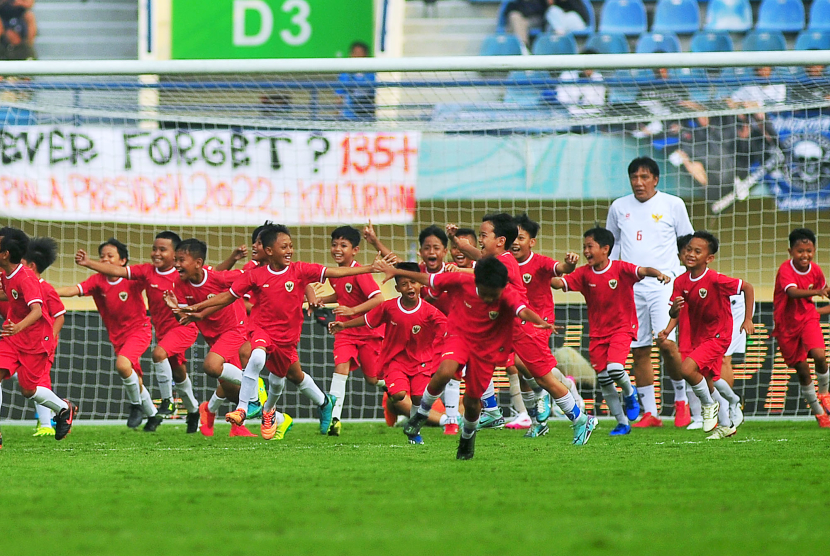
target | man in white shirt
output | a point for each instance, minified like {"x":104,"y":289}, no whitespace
{"x":646,"y":225}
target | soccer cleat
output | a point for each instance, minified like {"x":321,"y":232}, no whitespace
{"x":823,"y":421}
{"x":413,"y":427}
{"x":491,"y":420}
{"x":648,"y":420}
{"x":325,"y":413}
{"x":451,"y":429}
{"x":167,"y":408}
{"x":537,"y":430}
{"x":736,"y":414}
{"x":269,"y":424}
{"x":824,"y":400}
{"x":682,"y":415}
{"x":466,"y":447}
{"x":696,"y":424}
{"x":388,"y":415}
{"x":284,"y":427}
{"x":543,"y":408}
{"x":153,"y":423}
{"x":632,"y":406}
{"x":42,"y":430}
{"x":135,"y":417}
{"x":254,"y":410}
{"x":261,"y":391}
{"x":63,"y":420}
{"x":192,"y":421}
{"x":521,"y":422}
{"x":236,"y":417}
{"x":620,"y":430}
{"x":417,"y":439}
{"x":721,"y":433}
{"x":241,"y":430}
{"x":710,"y":416}
{"x":336,"y":425}
{"x":206,"y":419}
{"x":575,"y":393}
{"x":583,"y":426}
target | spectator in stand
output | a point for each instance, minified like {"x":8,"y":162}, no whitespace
{"x":567,"y":16}
{"x":582,"y":92}
{"x":358,"y":93}
{"x":563,"y":16}
{"x":17,"y":29}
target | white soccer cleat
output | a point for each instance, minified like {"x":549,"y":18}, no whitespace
{"x":522,"y":421}
{"x":710,"y":416}
{"x":696,"y":424}
{"x":721,"y":433}
{"x":736,"y":414}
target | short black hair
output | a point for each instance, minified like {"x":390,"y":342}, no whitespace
{"x":269,"y":235}
{"x":360,"y":44}
{"x":433,"y":231}
{"x":42,"y":251}
{"x":172,"y":236}
{"x":123,"y":252}
{"x":408,"y":266}
{"x":602,"y":236}
{"x":524,"y":222}
{"x":15,"y":241}
{"x":490,"y":273}
{"x":644,"y":162}
{"x":352,"y":235}
{"x":683,"y":241}
{"x":503,"y":226}
{"x":708,"y":238}
{"x":258,"y":230}
{"x":802,"y":234}
{"x":466,"y":232}
{"x":196,"y":248}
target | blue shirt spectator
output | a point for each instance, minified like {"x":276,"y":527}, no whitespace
{"x":358,"y":93}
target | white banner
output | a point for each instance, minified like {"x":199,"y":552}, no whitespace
{"x":206,"y":177}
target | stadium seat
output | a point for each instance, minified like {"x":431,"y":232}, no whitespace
{"x":711,"y":41}
{"x":658,"y":42}
{"x":623,"y":16}
{"x":555,"y":44}
{"x":813,"y":40}
{"x":591,"y":28}
{"x":728,"y":15}
{"x":781,"y":15}
{"x":608,"y":43}
{"x":501,"y":44}
{"x":820,"y":14}
{"x":755,"y":41}
{"x":676,"y":16}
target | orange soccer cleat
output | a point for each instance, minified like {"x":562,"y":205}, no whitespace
{"x":236,"y":417}
{"x":824,"y":400}
{"x":682,"y":415}
{"x":206,"y":420}
{"x":647,"y":421}
{"x":388,"y":414}
{"x":241,"y":430}
{"x":823,"y":421}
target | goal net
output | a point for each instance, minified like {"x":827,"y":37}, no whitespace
{"x":211,"y":149}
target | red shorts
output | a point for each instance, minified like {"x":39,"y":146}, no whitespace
{"x":32,"y":368}
{"x":280,"y":357}
{"x":531,"y":345}
{"x":133,"y":347}
{"x":401,"y":377}
{"x":610,"y":349}
{"x":794,"y":348}
{"x":359,"y":352}
{"x":227,"y":346}
{"x":709,"y":356}
{"x":177,"y":342}
{"x":478,"y":373}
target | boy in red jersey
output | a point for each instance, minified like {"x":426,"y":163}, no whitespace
{"x":703,"y":295}
{"x":122,"y":310}
{"x":27,"y":332}
{"x":458,"y":256}
{"x":173,"y":340}
{"x":415,"y":331}
{"x":608,"y":288}
{"x":796,"y":320}
{"x":484,"y":307}
{"x":355,"y":295}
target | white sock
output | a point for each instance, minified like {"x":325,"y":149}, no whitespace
{"x":808,"y":392}
{"x":381,"y":385}
{"x":612,"y":398}
{"x":568,"y":383}
{"x":426,"y":402}
{"x":185,"y":390}
{"x":276,"y":386}
{"x":132,"y":389}
{"x":451,"y":395}
{"x":413,"y":410}
{"x":694,"y":403}
{"x":621,"y":379}
{"x":147,"y":405}
{"x":468,"y":428}
{"x":568,"y":406}
{"x":679,"y":390}
{"x":231,"y":373}
{"x":44,"y":415}
{"x":44,"y":396}
{"x":215,"y":403}
{"x":310,"y":390}
{"x":248,"y":386}
{"x":702,"y":391}
{"x":823,"y":382}
{"x":647,"y":400}
{"x":534,"y":386}
{"x":338,"y":389}
{"x":164,"y":378}
{"x":442,"y":420}
{"x":516,"y":394}
{"x":723,"y":409}
{"x":489,"y":391}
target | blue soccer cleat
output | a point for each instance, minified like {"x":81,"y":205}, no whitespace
{"x":417,"y":439}
{"x":632,"y":406}
{"x":543,"y":408}
{"x":325,"y":413}
{"x":620,"y":430}
{"x":583,"y":426}
{"x":537,"y":430}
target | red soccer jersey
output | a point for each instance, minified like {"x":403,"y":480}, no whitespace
{"x":351,"y":291}
{"x":279,"y":298}
{"x":52,"y":300}
{"x":119,"y":303}
{"x":707,"y":305}
{"x":537,"y":270}
{"x":609,"y":295}
{"x":790,"y":315}
{"x":514,"y":273}
{"x":441,"y":302}
{"x":23,"y":289}
{"x":4,"y":309}
{"x":410,"y":333}
{"x":487,"y":326}
{"x":226,"y":318}
{"x":155,"y":283}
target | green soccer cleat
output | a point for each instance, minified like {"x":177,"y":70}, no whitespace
{"x":325,"y":413}
{"x":283,"y":428}
{"x":42,"y":430}
{"x":167,"y":408}
{"x":336,"y":425}
{"x":254,"y":410}
{"x":494,"y":420}
{"x":583,"y":426}
{"x":261,"y":391}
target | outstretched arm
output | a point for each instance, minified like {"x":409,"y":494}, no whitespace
{"x":335,"y":327}
{"x":82,"y":259}
{"x":569,"y":264}
{"x":68,"y":291}
{"x":390,"y":272}
{"x":236,"y":255}
{"x":795,"y":293}
{"x":221,"y":300}
{"x":364,"y":307}
{"x":343,"y":271}
{"x":538,"y":322}
{"x":644,"y":271}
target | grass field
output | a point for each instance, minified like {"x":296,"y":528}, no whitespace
{"x":110,"y":490}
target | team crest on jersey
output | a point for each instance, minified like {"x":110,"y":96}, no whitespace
{"x":527,"y":278}
{"x":14,"y":294}
{"x":123,"y":296}
{"x":289,"y":286}
{"x":657,"y":217}
{"x":493,"y":315}
{"x":416,"y":329}
{"x":612,"y":284}
{"x":211,"y":295}
{"x":348,"y":287}
{"x":703,"y":292}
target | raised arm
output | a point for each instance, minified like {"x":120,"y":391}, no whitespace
{"x":372,"y":239}
{"x":236,"y":255}
{"x":749,"y":293}
{"x":82,"y":259}
{"x":463,"y":244}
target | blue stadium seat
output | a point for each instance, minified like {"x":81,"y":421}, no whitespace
{"x":764,"y":40}
{"x":813,"y":40}
{"x":592,"y":21}
{"x":555,"y":44}
{"x":728,"y":15}
{"x":623,"y":16}
{"x":501,"y":44}
{"x":608,"y":43}
{"x":676,"y":16}
{"x":781,"y":15}
{"x":820,"y":15}
{"x":711,"y":41}
{"x":658,"y":42}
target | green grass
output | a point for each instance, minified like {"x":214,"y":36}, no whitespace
{"x":109,"y":490}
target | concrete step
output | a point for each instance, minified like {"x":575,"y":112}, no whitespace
{"x":453,"y":8}
{"x":93,"y":48}
{"x":432,"y":45}
{"x":450,"y":26}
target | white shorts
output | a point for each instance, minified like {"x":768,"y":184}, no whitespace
{"x":653,"y":303}
{"x":738,"y":344}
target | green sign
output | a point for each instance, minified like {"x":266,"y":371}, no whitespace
{"x":238,"y":29}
